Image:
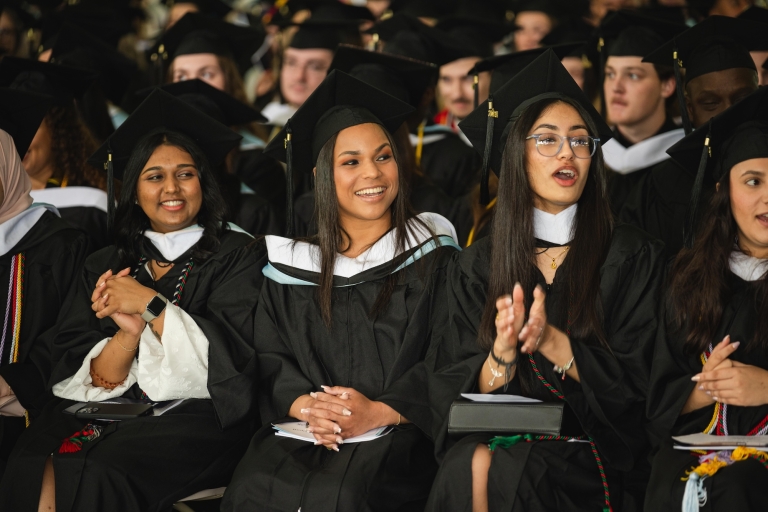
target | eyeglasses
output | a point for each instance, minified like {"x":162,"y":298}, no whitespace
{"x":550,"y":144}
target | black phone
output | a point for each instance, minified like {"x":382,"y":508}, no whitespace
{"x":106,"y":411}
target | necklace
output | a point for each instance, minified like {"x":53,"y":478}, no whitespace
{"x":179,"y":285}
{"x":163,"y":265}
{"x":554,"y":260}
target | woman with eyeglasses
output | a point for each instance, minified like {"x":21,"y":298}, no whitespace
{"x":557,"y":305}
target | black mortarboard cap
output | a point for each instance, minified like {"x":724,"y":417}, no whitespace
{"x":487,"y":125}
{"x":551,"y":8}
{"x":627,"y":33}
{"x":339,"y":102}
{"x":197,"y":33}
{"x":161,"y":110}
{"x":489,"y":30}
{"x":423,"y":8}
{"x":207,"y":7}
{"x":387,"y":72}
{"x":407,"y":36}
{"x":75,"y":47}
{"x":62,"y":83}
{"x":737,"y":134}
{"x":21,"y":113}
{"x":322,"y":33}
{"x":755,"y":13}
{"x":210,"y":100}
{"x":99,"y":18}
{"x":336,"y":10}
{"x":506,"y":66}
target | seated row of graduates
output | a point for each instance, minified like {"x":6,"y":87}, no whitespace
{"x":380,"y":320}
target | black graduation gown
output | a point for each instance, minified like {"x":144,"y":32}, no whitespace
{"x":620,"y":186}
{"x":451,"y":164}
{"x":381,"y":358}
{"x":737,"y":487}
{"x":148,"y":463}
{"x":257,"y":216}
{"x":54,"y":254}
{"x":90,"y":220}
{"x":608,"y":403}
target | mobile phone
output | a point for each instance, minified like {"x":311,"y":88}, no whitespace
{"x":105,"y":411}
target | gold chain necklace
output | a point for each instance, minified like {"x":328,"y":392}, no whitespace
{"x":554,"y":260}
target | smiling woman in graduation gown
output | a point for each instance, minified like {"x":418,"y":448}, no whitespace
{"x":367,"y":344}
{"x":615,"y":267}
{"x":202,"y":352}
{"x":723,"y":284}
{"x":41,"y":257}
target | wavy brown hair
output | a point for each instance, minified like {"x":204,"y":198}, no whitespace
{"x":71,"y":145}
{"x":699,"y":282}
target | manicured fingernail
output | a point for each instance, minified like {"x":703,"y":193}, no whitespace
{"x":313,"y":394}
{"x":736,"y":345}
{"x":710,"y":394}
{"x":335,"y":448}
{"x":305,"y":411}
{"x":345,"y":396}
{"x":318,"y":443}
{"x":696,"y":378}
{"x":337,"y":430}
{"x":325,"y":388}
{"x":347,"y":412}
{"x":310,"y":429}
{"x":339,"y":440}
{"x":715,"y":399}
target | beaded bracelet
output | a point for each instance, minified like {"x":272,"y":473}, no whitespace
{"x":507,"y":369}
{"x":102,"y":383}
{"x":562,"y":370}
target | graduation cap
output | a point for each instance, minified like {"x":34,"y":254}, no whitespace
{"x":161,"y":110}
{"x":323,"y":33}
{"x":715,"y":44}
{"x":212,"y":101}
{"x":735,"y":135}
{"x":62,"y":83}
{"x":390,"y":73}
{"x":506,"y":66}
{"x":754,"y":13}
{"x":339,"y":102}
{"x":336,"y":10}
{"x":423,"y":8}
{"x":215,"y":8}
{"x":197,"y":33}
{"x":544,"y":78}
{"x":99,"y":18}
{"x":75,"y":47}
{"x":409,"y":37}
{"x":21,"y":113}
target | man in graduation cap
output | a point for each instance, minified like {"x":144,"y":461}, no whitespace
{"x":719,"y":72}
{"x":760,"y":57}
{"x":636,"y":96}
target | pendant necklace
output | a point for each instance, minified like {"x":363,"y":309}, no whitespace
{"x":554,"y":260}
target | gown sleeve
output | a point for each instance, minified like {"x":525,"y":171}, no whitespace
{"x":80,"y":388}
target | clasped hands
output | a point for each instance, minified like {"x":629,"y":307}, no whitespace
{"x":338,"y":413}
{"x":123,"y":299}
{"x":731,"y":382}
{"x":512,"y":329}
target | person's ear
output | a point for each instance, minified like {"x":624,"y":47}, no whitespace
{"x":668,"y":87}
{"x":314,"y":172}
{"x":717,"y":186}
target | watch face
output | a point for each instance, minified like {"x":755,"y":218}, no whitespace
{"x":156,"y":306}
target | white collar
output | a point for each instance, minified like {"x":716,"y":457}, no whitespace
{"x":277,"y":113}
{"x":68,"y":197}
{"x":174,"y":244}
{"x":747,"y":267}
{"x":641,"y":155}
{"x":14,"y":229}
{"x":306,"y":256}
{"x":557,"y":229}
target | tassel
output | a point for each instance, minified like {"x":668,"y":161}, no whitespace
{"x":508,"y":441}
{"x":110,"y":190}
{"x":603,"y":59}
{"x":476,"y":87}
{"x":74,"y":443}
{"x":695,"y":493}
{"x":288,"y":182}
{"x":698,"y":184}
{"x":485,"y":196}
{"x":680,"y":96}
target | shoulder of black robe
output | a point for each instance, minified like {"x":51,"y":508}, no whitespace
{"x":451,"y":165}
{"x":304,"y":222}
{"x":609,"y":400}
{"x":54,"y":254}
{"x":673,"y":367}
{"x":427,"y":197}
{"x":256,"y":215}
{"x":265,"y":176}
{"x":220,"y":295}
{"x":83,"y":208}
{"x":90,"y":221}
{"x":382,"y":358}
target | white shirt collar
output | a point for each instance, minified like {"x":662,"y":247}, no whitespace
{"x":14,"y":229}
{"x":306,"y":256}
{"x":174,"y":244}
{"x":747,"y":267}
{"x":557,"y":229}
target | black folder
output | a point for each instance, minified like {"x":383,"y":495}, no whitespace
{"x":542,"y":418}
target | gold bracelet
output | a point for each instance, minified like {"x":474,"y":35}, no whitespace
{"x":122,"y":346}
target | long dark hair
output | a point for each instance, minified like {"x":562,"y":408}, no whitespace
{"x":71,"y":145}
{"x":513,"y":246}
{"x":130,"y":219}
{"x":699,"y":281}
{"x":331,"y":236}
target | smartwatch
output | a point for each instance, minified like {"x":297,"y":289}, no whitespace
{"x":154,"y":308}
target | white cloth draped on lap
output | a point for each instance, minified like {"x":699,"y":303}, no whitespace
{"x":176,"y":367}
